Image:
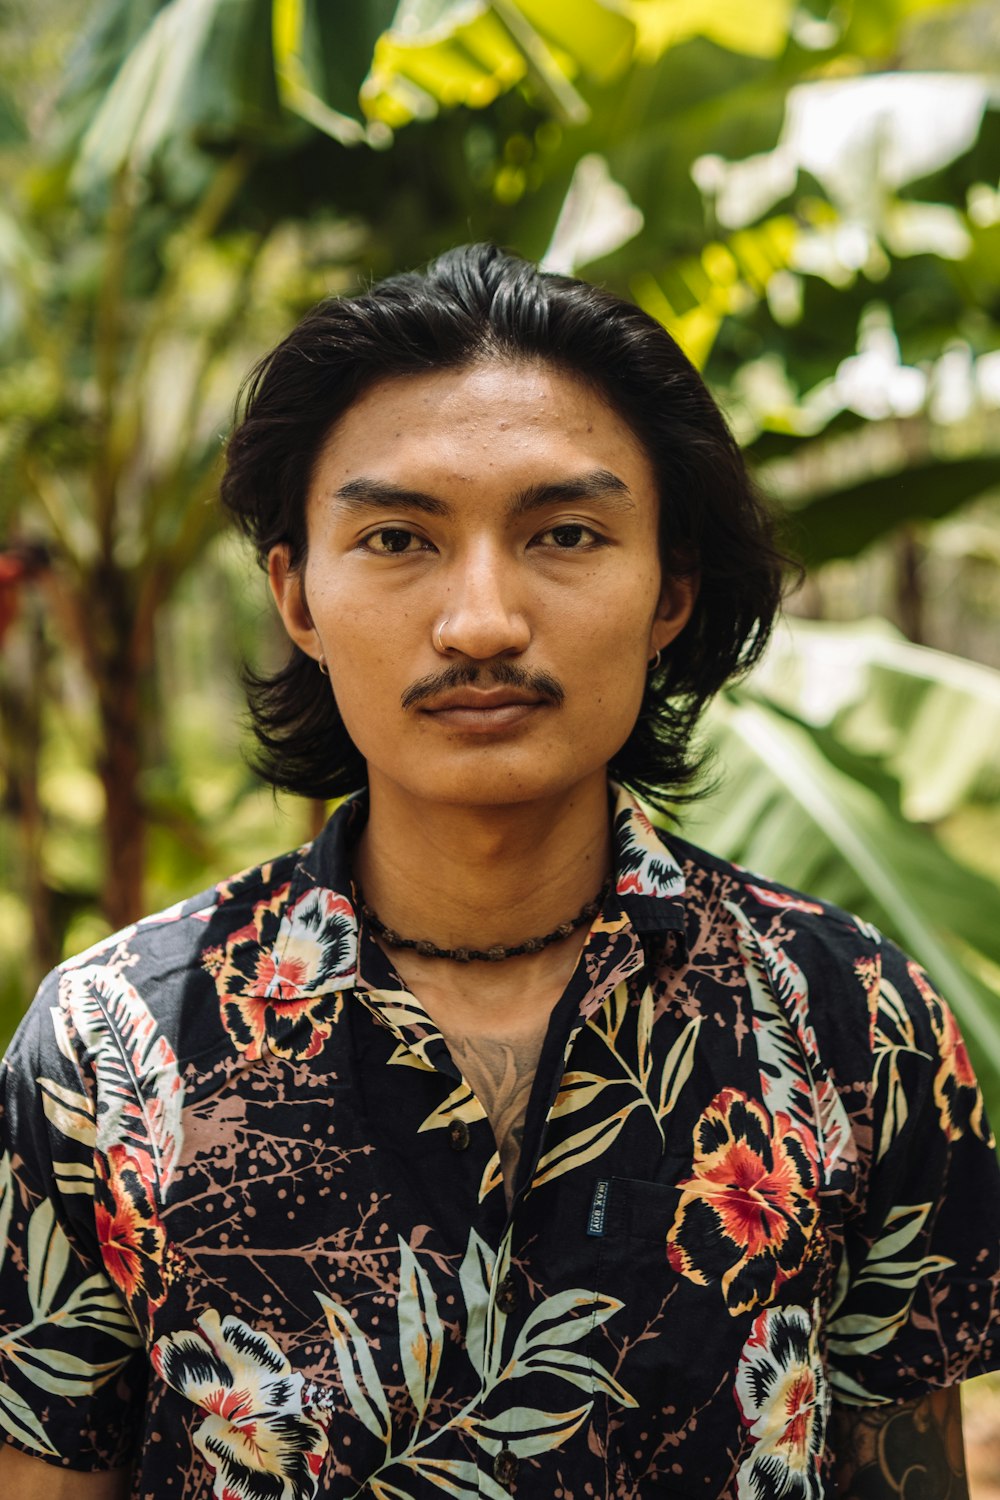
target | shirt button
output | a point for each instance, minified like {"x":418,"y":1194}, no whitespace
{"x":506,"y":1298}
{"x":505,"y":1468}
{"x":458,"y":1135}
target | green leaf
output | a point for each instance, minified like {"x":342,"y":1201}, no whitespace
{"x":819,"y":819}
{"x":590,"y":1142}
{"x":21,"y":1422}
{"x":456,"y":1476}
{"x":525,"y":1430}
{"x":842,"y":522}
{"x":48,"y":1258}
{"x":358,"y":1375}
{"x":561,"y":1320}
{"x":449,"y":52}
{"x":203,"y":72}
{"x":59,"y":1373}
{"x":932,"y":720}
{"x":321,"y":55}
{"x":578,"y":1369}
{"x":421,"y":1333}
{"x":69,"y":1111}
{"x":677,"y":1066}
{"x":760,"y":29}
{"x":475,"y":1279}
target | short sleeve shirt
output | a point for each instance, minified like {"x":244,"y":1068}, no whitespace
{"x":255,"y":1240}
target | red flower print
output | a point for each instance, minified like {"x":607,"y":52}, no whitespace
{"x":280,"y":977}
{"x":748,"y":1212}
{"x":132,"y":1238}
{"x":956,"y":1092}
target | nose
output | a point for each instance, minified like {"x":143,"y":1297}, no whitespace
{"x":484,"y":616}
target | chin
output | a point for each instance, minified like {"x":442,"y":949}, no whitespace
{"x":501,"y":784}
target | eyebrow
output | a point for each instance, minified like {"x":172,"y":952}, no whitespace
{"x":381,"y":494}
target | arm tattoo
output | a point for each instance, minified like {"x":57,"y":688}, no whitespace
{"x":911,"y":1451}
{"x":501,"y":1075}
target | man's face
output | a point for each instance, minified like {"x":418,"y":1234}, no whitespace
{"x":487,"y":531}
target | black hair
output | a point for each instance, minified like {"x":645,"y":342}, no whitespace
{"x":479,"y":303}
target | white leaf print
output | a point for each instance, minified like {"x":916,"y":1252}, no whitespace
{"x":73,"y":1177}
{"x":474,"y":1278}
{"x":137,"y":1077}
{"x":59,"y":1373}
{"x":851,"y":1392}
{"x":644,"y":1037}
{"x":578,"y":1369}
{"x":902,"y":1226}
{"x":48,"y":1258}
{"x":584,"y":1146}
{"x":421,"y":1334}
{"x":461,"y":1104}
{"x":358,"y":1374}
{"x":560,"y":1320}
{"x":456,"y":1477}
{"x":95,"y":1303}
{"x":577,"y":1090}
{"x":526,"y":1430}
{"x":677,"y":1066}
{"x":786,"y":1045}
{"x":69,"y":1111}
{"x":20,"y":1421}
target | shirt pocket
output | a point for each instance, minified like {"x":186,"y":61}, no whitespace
{"x":697,"y":1282}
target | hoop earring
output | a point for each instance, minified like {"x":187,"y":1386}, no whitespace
{"x":321,"y":663}
{"x":653,"y":664}
{"x":438,"y":641}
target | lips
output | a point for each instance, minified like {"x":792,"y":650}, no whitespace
{"x":500,"y":710}
{"x":466,"y":700}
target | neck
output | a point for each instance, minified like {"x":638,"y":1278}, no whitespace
{"x":478,"y":876}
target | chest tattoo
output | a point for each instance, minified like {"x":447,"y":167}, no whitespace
{"x":501,"y":1074}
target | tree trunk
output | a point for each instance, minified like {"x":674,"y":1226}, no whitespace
{"x":120,"y":768}
{"x":909,"y":584}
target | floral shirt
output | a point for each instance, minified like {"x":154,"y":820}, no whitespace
{"x":255,"y":1239}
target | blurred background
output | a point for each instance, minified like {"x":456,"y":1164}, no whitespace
{"x":805,"y":193}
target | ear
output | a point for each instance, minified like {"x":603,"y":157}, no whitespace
{"x":289,"y":595}
{"x":677,"y":601}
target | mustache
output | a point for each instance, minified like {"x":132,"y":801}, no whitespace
{"x":501,"y":673}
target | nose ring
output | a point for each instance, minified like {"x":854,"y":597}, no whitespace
{"x":439,"y":643}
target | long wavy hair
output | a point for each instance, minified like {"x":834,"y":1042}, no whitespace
{"x":473,"y":304}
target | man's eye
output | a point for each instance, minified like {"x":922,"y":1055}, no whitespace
{"x":392,"y":540}
{"x":569,"y":536}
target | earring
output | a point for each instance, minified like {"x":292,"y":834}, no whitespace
{"x":438,"y":642}
{"x":653,"y":664}
{"x":321,"y":663}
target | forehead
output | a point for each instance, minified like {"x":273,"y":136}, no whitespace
{"x":509,"y":421}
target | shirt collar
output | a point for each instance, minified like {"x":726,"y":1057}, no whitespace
{"x":648,"y":885}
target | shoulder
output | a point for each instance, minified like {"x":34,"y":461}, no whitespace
{"x":157,"y":973}
{"x":829,"y":970}
{"x":767,"y":911}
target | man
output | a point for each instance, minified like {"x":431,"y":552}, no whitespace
{"x":495,"y":1143}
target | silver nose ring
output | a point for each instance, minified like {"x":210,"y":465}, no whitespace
{"x":438,"y":634}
